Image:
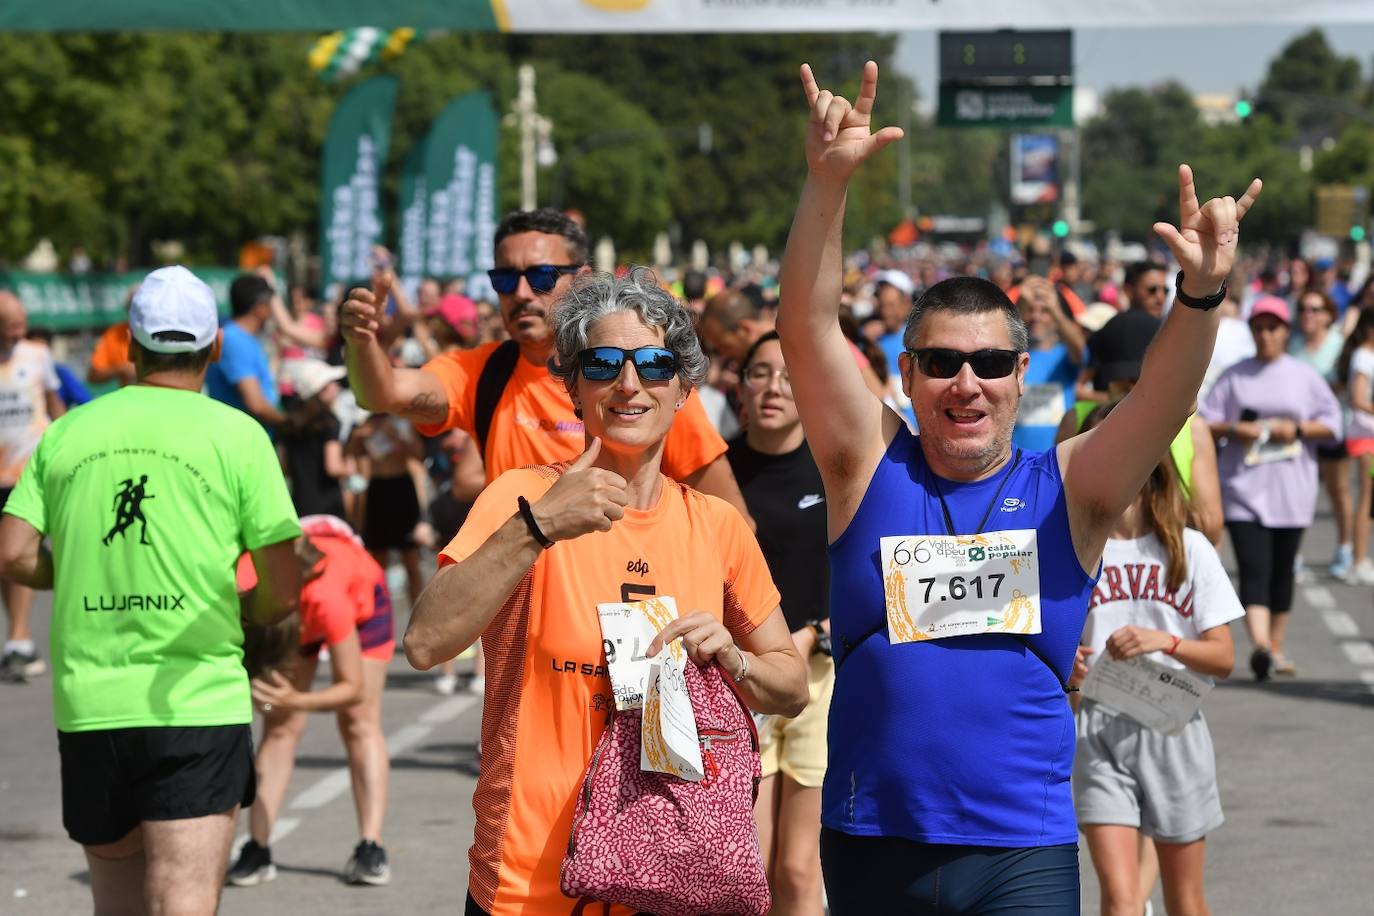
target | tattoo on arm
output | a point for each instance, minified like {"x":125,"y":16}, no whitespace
{"x":427,"y":408}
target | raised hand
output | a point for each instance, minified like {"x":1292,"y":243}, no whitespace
{"x":584,"y":499}
{"x":839,"y":136}
{"x":361,"y":316}
{"x":1204,"y":242}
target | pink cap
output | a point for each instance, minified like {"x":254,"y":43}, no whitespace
{"x":454,"y":309}
{"x":1271,"y":305}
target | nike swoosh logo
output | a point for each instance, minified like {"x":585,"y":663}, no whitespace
{"x":806,"y":502}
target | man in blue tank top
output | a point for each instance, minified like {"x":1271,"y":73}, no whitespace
{"x":961,"y":568}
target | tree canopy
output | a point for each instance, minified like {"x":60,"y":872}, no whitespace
{"x":113,"y":142}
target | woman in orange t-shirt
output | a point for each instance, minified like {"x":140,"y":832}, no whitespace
{"x":543,"y":546}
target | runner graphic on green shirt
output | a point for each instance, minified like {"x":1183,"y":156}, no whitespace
{"x":147,"y":631}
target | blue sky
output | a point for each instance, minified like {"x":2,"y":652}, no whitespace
{"x":1204,"y":59}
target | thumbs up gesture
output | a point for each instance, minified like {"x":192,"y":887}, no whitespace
{"x":361,"y":315}
{"x":585,"y":499}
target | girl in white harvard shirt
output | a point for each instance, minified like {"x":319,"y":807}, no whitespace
{"x":1164,"y":594}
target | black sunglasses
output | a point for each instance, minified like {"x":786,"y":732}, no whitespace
{"x":938,"y":362}
{"x":603,"y":364}
{"x":542,"y":277}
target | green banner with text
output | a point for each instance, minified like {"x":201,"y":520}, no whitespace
{"x":75,"y":302}
{"x":354,"y":155}
{"x":460,"y":177}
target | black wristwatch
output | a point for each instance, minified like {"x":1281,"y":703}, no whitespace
{"x":1205,"y":304}
{"x":822,"y":638}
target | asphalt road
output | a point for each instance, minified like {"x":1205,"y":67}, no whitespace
{"x":1293,"y":761}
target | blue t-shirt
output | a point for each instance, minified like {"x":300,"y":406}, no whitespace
{"x":893,"y":348}
{"x":1050,"y":379}
{"x":241,"y":357}
{"x":967,"y":740}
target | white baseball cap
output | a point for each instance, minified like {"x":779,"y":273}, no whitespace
{"x":310,"y":376}
{"x":174,"y":299}
{"x":895,"y":278}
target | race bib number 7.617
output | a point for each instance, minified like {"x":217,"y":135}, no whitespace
{"x":938,"y":586}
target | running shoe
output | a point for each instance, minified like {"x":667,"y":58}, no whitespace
{"x":1362,"y":573}
{"x":477,"y":686}
{"x":367,"y":865}
{"x":1341,"y":563}
{"x":1284,"y":665}
{"x":254,"y":866}
{"x":446,"y":684}
{"x":1261,"y":662}
{"x":17,"y":667}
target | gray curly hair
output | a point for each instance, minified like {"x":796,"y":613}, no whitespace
{"x":595,"y":295}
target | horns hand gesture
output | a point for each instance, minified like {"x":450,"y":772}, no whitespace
{"x":839,"y":136}
{"x":1205,"y":240}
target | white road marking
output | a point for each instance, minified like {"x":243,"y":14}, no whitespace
{"x":334,"y":783}
{"x":1319,"y":596}
{"x":448,"y":710}
{"x":1341,"y":623}
{"x":1359,"y":652}
{"x":283,"y":827}
{"x":329,"y":787}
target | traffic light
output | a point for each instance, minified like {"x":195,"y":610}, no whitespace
{"x":1060,"y":228}
{"x":1357,"y":233}
{"x":1244,"y":108}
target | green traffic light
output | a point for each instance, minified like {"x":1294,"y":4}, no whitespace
{"x":1357,"y":233}
{"x":1244,"y":108}
{"x":1060,"y":229}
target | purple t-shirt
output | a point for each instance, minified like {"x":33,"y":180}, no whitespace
{"x":1278,"y":493}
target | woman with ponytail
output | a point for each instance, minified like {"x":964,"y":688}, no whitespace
{"x":1163,"y":594}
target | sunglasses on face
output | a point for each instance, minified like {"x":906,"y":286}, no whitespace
{"x":603,"y":364}
{"x":1156,"y":290}
{"x":542,"y":277}
{"x":938,"y":362}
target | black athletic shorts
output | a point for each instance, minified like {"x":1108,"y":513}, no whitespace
{"x":113,"y":780}
{"x":392,"y":511}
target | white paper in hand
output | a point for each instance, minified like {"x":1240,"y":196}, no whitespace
{"x":627,"y":628}
{"x":1160,"y":697}
{"x":668,"y":729}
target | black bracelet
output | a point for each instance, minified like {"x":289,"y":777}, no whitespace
{"x":1205,"y":304}
{"x":528,"y":515}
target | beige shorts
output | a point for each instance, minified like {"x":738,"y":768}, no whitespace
{"x":797,"y":746}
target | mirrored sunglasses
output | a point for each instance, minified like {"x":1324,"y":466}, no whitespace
{"x":542,"y":277}
{"x":604,"y":364}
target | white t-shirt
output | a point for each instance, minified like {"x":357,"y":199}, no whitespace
{"x":1361,"y":424}
{"x":1134,"y":589}
{"x":25,"y":380}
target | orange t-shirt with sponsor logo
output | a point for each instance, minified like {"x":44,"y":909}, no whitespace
{"x":534,"y":423}
{"x":548,"y":697}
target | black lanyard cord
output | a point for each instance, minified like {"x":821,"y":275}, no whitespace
{"x":949,"y":519}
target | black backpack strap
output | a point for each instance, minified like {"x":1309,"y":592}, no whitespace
{"x":500,"y":366}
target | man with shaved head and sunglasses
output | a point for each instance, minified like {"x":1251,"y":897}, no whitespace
{"x":502,"y":393}
{"x":962,"y":567}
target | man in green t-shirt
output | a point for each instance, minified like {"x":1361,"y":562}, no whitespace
{"x":148,"y":496}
